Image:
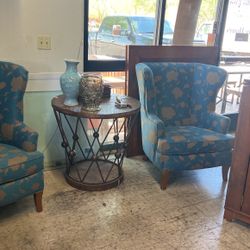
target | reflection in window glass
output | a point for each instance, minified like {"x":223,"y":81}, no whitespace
{"x":110,"y":32}
{"x":235,"y":54}
{"x":169,"y":23}
{"x":167,"y":28}
{"x":206,"y":18}
{"x":236,"y":39}
{"x":205,"y":22}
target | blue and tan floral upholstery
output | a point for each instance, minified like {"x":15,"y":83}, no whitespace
{"x":180,"y":129}
{"x":21,"y":165}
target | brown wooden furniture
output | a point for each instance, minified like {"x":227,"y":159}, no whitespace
{"x":136,"y":54}
{"x":95,"y":142}
{"x":238,"y":195}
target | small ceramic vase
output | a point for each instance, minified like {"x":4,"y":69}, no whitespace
{"x":69,"y":82}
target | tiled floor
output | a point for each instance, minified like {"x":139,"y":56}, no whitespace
{"x":136,"y":215}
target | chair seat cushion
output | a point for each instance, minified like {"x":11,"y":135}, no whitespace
{"x":193,"y":140}
{"x":16,"y":163}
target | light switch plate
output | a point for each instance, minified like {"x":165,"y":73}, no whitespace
{"x":44,"y":42}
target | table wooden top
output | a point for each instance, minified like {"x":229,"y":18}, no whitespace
{"x":107,"y":111}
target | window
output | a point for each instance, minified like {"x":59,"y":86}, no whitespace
{"x":107,"y":31}
{"x":147,"y":22}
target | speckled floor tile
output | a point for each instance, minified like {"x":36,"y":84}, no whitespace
{"x":135,"y":215}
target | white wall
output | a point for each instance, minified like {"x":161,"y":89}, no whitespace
{"x":22,"y":21}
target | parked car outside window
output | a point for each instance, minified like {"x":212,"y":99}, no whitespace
{"x":116,"y":32}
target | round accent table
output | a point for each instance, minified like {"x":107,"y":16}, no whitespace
{"x":95,"y":142}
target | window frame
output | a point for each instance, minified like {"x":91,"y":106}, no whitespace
{"x":119,"y":65}
{"x":96,"y":65}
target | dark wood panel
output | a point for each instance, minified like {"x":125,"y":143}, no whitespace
{"x":136,"y":54}
{"x":241,"y":154}
{"x":231,"y":215}
{"x":237,"y":204}
{"x":246,"y":195}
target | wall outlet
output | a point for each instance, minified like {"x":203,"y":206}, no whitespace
{"x":44,"y":42}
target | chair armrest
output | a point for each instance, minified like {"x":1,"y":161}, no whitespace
{"x":234,"y":118}
{"x":218,"y":123}
{"x":152,"y":130}
{"x":20,"y":135}
{"x":156,"y":124}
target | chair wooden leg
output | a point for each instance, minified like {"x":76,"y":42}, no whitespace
{"x":225,"y":173}
{"x":38,"y":201}
{"x":164,"y":178}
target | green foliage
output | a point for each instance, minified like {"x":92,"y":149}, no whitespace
{"x":144,"y":6}
{"x":207,"y":11}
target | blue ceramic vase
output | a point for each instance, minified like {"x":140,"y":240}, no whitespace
{"x":69,"y":82}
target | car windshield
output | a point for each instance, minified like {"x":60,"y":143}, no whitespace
{"x":147,"y":25}
{"x":167,"y":28}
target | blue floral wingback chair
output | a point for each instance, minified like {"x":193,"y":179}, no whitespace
{"x":21,"y":166}
{"x":180,"y":130}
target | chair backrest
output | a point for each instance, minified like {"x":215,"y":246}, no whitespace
{"x":13,"y":81}
{"x":180,"y":93}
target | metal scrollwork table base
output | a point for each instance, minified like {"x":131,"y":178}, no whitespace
{"x":95,"y":142}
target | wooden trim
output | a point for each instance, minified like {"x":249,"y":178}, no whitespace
{"x":231,"y":214}
{"x":136,"y":54}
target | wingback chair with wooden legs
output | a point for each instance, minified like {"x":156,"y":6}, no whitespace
{"x":180,"y":130}
{"x":21,"y":165}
